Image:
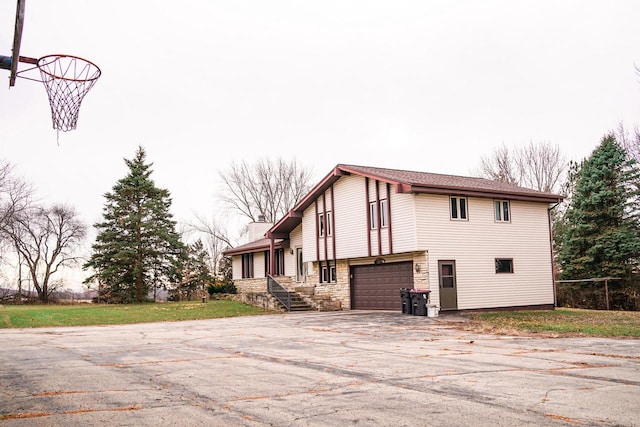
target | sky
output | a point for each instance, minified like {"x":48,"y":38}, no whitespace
{"x":420,"y":85}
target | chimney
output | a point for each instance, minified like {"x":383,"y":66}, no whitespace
{"x":258,"y":229}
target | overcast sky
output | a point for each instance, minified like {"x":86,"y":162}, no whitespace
{"x":420,"y":85}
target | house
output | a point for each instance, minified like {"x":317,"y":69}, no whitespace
{"x":362,"y":233}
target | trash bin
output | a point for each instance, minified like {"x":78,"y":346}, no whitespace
{"x":406,"y":300}
{"x":419,"y":299}
{"x":432,"y":310}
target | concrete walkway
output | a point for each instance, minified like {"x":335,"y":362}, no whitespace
{"x":313,"y":369}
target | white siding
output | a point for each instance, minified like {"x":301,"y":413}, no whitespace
{"x":309,"y":234}
{"x":258,"y":265}
{"x":350,"y":217}
{"x":474,"y":245}
{"x":295,"y":241}
{"x":236,"y":268}
{"x":403,"y":223}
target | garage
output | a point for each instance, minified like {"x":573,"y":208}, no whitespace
{"x":377,"y":287}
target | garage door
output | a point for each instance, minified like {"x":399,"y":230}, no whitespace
{"x":377,"y":287}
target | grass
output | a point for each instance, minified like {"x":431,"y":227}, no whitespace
{"x":35,"y":316}
{"x":562,"y":322}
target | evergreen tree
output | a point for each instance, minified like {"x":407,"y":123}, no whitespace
{"x":196,"y":275}
{"x":137,"y":247}
{"x":601,"y":233}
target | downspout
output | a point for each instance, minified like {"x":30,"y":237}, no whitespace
{"x":553,"y":263}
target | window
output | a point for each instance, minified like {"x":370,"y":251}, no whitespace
{"x":501,"y":208}
{"x":504,"y":265}
{"x":301,"y":272}
{"x":279,"y":264}
{"x":321,"y":225}
{"x":325,"y":224}
{"x":459,"y":208}
{"x":328,"y":274}
{"x":384,"y":213}
{"x":247,"y":266}
{"x":373,"y":215}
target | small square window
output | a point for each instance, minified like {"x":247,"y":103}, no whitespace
{"x":504,"y":265}
{"x":502,"y":211}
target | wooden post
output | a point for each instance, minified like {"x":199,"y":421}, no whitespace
{"x":606,"y":291}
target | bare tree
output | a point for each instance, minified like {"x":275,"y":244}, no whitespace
{"x":499,"y":166}
{"x":15,"y":197}
{"x":538,"y":166}
{"x":267,"y":188}
{"x":216,"y":239}
{"x":46,"y":239}
{"x":630,"y":141}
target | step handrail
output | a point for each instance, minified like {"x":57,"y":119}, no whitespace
{"x":279,"y":292}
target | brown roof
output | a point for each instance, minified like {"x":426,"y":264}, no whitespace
{"x":255,"y":246}
{"x":424,"y":181}
{"x":412,"y":182}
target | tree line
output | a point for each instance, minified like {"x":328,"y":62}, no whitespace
{"x":139,"y":251}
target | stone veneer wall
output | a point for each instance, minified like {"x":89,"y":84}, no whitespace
{"x":421,"y":278}
{"x":339,"y":291}
{"x":245,"y":286}
{"x":260,"y":284}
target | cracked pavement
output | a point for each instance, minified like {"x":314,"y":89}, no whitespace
{"x":313,"y":369}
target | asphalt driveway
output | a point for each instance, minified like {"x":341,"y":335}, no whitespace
{"x":313,"y":369}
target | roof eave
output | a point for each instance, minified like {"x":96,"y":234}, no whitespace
{"x":496,"y":194}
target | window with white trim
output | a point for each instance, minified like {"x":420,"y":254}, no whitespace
{"x":328,"y":224}
{"x":458,"y":208}
{"x":384,"y":213}
{"x":373,"y":215}
{"x":502,"y":210}
{"x":328,"y":274}
{"x":321,"y":225}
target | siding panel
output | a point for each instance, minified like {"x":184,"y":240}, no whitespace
{"x":474,"y":245}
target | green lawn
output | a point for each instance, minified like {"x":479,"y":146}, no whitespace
{"x":34,"y":316}
{"x":560,"y":322}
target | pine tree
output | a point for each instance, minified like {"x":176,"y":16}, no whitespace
{"x":137,"y":247}
{"x":601,"y":230}
{"x":196,"y":275}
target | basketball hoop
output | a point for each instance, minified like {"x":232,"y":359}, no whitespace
{"x":67,"y":79}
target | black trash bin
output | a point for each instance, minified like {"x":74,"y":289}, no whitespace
{"x":405,"y":296}
{"x":419,"y":300}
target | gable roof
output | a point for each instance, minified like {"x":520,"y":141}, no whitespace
{"x":412,"y":182}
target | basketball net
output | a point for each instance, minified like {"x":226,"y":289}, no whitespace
{"x":67,"y":80}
